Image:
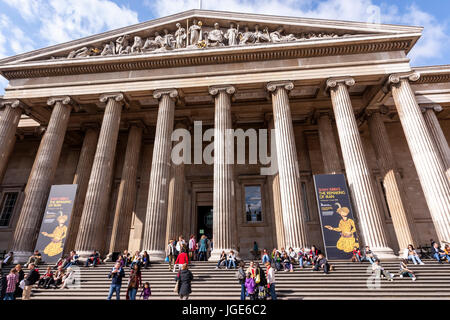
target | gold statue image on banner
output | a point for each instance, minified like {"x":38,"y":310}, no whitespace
{"x":346,"y":227}
{"x":55,"y":247}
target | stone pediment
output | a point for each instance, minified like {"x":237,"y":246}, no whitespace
{"x":202,"y":32}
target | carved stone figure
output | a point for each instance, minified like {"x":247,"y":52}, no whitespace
{"x":277,"y":36}
{"x":153,"y":44}
{"x":180,"y":36}
{"x":216,"y":37}
{"x":137,"y":45}
{"x":232,"y":35}
{"x":261,"y":36}
{"x":82,"y":53}
{"x":195,"y":32}
{"x":169,"y":40}
{"x":109,"y":49}
{"x":122,"y":45}
{"x":246,"y":37}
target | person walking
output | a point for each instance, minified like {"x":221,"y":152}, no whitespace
{"x":181,"y":259}
{"x":21,"y":275}
{"x":11,"y":281}
{"x":203,"y":248}
{"x":134,"y":282}
{"x":170,"y":252}
{"x":270,"y":275}
{"x":240,"y":274}
{"x":116,"y":276}
{"x":184,"y":279}
{"x":192,"y":247}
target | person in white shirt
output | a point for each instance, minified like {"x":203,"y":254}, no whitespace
{"x":231,"y":260}
{"x":378,"y":269}
{"x":180,"y":244}
{"x":271,"y":281}
{"x":192,"y":247}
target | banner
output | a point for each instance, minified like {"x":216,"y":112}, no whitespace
{"x":336,"y":216}
{"x":55,"y":223}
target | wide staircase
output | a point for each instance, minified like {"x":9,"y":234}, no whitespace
{"x":347,"y":281}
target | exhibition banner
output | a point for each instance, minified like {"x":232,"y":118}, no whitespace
{"x":336,"y":216}
{"x":55,"y":223}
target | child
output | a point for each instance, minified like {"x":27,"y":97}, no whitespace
{"x":146,"y":291}
{"x":405,"y":272}
{"x":250,"y":286}
{"x":356,"y":255}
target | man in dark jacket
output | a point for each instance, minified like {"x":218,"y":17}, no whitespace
{"x":322,"y":262}
{"x":184,"y":277}
{"x":241,"y":277}
{"x":30,"y":279}
{"x":116,"y":275}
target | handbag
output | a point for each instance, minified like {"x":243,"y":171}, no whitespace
{"x":22,"y":284}
{"x":177,"y":286}
{"x":257,"y":279}
{"x":167,"y":259}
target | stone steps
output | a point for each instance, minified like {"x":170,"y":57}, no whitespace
{"x":348,"y":281}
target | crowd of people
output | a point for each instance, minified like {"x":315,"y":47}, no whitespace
{"x":257,"y":280}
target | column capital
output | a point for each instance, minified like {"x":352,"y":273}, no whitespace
{"x":397,"y":77}
{"x":172,"y":93}
{"x":15,"y":103}
{"x":65,"y":100}
{"x":228,"y":88}
{"x":334,"y":82}
{"x":432,"y":106}
{"x":274,"y":85}
{"x":378,"y":109}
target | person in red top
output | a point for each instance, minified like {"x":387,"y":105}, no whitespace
{"x":181,"y":259}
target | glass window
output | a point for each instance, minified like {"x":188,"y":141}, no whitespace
{"x":253,"y":206}
{"x":7,"y":207}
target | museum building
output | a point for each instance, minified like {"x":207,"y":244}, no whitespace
{"x":99,"y":112}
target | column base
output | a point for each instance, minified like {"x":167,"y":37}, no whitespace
{"x":156,"y":255}
{"x":21,"y":256}
{"x":215,"y":254}
{"x":385,"y":253}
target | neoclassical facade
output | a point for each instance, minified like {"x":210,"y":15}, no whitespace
{"x":99,"y":112}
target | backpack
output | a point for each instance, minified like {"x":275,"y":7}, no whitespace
{"x":239,"y":275}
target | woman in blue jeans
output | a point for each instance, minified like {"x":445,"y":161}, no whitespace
{"x":134,"y":282}
{"x":241,"y":278}
{"x":413,"y":256}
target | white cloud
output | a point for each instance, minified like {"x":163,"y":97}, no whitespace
{"x":61,"y":21}
{"x":3,"y":84}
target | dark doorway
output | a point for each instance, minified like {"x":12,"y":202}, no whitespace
{"x":205,"y":221}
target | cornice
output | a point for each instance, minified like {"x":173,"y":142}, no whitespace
{"x":195,"y":57}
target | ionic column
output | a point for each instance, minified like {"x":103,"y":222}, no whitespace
{"x":142,"y":196}
{"x":9,"y":120}
{"x":176,"y":198}
{"x":40,"y":179}
{"x":278,"y":211}
{"x":357,"y":169}
{"x":328,"y":147}
{"x":431,"y":172}
{"x":395,"y":195}
{"x":92,"y":225}
{"x":156,"y":217}
{"x":81,"y":179}
{"x":224,"y":219}
{"x":127,"y":191}
{"x":289,"y":176}
{"x":429,"y":114}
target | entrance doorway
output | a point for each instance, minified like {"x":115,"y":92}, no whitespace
{"x":204,"y":221}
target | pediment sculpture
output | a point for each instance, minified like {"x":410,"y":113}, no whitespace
{"x":195,"y":36}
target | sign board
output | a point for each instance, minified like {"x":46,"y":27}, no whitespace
{"x":55,"y":223}
{"x":336,"y":216}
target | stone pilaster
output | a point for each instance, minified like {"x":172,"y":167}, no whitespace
{"x":9,"y":120}
{"x":224,"y":220}
{"x":81,"y":179}
{"x":429,"y":114}
{"x":176,"y":198}
{"x":92,"y":225}
{"x":127,"y":191}
{"x":328,"y":147}
{"x":277,"y":207}
{"x":393,"y":185}
{"x":156,"y":217}
{"x":137,"y":233}
{"x":357,"y":170}
{"x":289,"y":176}
{"x":40,"y":179}
{"x":429,"y":166}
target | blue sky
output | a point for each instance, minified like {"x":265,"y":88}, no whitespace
{"x":31,"y":24}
